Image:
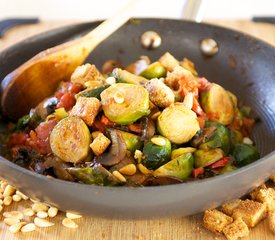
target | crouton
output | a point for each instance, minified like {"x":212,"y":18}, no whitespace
{"x":159,"y":93}
{"x":100,"y":144}
{"x":85,"y":73}
{"x":250,"y":211}
{"x":215,"y":220}
{"x":86,"y":109}
{"x":271,"y":221}
{"x":255,"y":192}
{"x":236,"y":230}
{"x":228,"y":207}
{"x":168,"y":61}
{"x":267,"y":197}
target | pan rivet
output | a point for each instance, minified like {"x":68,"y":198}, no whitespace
{"x":209,"y":47}
{"x":150,"y":39}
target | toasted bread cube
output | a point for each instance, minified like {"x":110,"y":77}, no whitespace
{"x":228,"y":207}
{"x":255,"y":192}
{"x":235,"y":230}
{"x":250,"y":211}
{"x":168,"y":61}
{"x":85,"y":73}
{"x":267,"y":197}
{"x":86,"y":109}
{"x":100,"y":144}
{"x":271,"y":221}
{"x":215,"y":220}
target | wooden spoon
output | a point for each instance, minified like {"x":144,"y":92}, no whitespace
{"x":39,"y":77}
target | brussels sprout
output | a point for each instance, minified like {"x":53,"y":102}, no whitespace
{"x":97,"y":175}
{"x":236,"y":136}
{"x":131,"y":140}
{"x":227,"y":168}
{"x":244,"y":154}
{"x":31,"y":120}
{"x":180,"y":167}
{"x":178,"y":123}
{"x":180,"y":151}
{"x":220,"y":139}
{"x":70,"y":139}
{"x":92,"y":92}
{"x":156,"y":155}
{"x":154,"y":70}
{"x":217,"y":103}
{"x":125,"y":103}
{"x":123,"y":76}
{"x":204,"y":158}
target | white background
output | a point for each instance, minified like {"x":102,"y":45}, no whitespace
{"x":100,"y":9}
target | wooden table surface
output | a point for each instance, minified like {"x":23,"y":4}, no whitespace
{"x":93,"y":228}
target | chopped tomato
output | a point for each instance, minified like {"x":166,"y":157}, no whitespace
{"x":67,"y":101}
{"x":197,"y":107}
{"x":189,"y":84}
{"x":212,"y":116}
{"x":248,"y":123}
{"x":74,"y":88}
{"x":106,"y":121}
{"x":40,"y":137}
{"x":220,"y":163}
{"x":201,"y":121}
{"x":15,"y":139}
{"x":197,"y":171}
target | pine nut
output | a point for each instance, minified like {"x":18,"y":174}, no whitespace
{"x":92,"y":84}
{"x":1,"y":202}
{"x":158,"y":141}
{"x":16,"y":198}
{"x":28,"y":212}
{"x":138,"y":155}
{"x":188,"y":100}
{"x":1,"y":195}
{"x":11,"y":221}
{"x":247,"y":140}
{"x":119,"y":176}
{"x":39,"y":222}
{"x":42,"y":214}
{"x":23,"y":196}
{"x":110,"y":80}
{"x":118,"y":98}
{"x":129,"y":169}
{"x":28,"y":228}
{"x":1,"y":208}
{"x":3,"y":186}
{"x":13,"y":214}
{"x":143,"y":169}
{"x":37,"y":207}
{"x":52,"y":212}
{"x":16,"y":227}
{"x":69,"y":223}
{"x":9,"y":191}
{"x":7,"y":200}
{"x":72,"y":215}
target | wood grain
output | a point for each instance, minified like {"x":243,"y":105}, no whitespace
{"x":94,"y":228}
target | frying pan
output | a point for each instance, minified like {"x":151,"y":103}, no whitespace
{"x":243,"y":65}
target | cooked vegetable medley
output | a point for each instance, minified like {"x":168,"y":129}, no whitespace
{"x":147,"y":124}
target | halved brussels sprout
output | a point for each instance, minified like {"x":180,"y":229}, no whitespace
{"x":180,"y":151}
{"x":156,"y":155}
{"x":70,"y":139}
{"x":220,"y":139}
{"x":125,"y":103}
{"x":217,"y":103}
{"x":204,"y":158}
{"x":123,"y":76}
{"x":227,"y":168}
{"x":180,"y":167}
{"x":236,"y":136}
{"x":178,"y":123}
{"x":154,"y":70}
{"x":96,"y":174}
{"x":131,"y":140}
{"x":244,"y":154}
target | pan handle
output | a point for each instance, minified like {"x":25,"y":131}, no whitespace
{"x":193,"y":10}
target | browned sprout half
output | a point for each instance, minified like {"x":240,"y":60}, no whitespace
{"x":70,"y":139}
{"x":216,"y":102}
